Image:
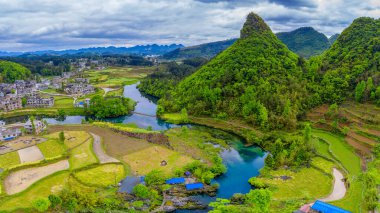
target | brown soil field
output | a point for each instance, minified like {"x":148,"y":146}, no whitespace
{"x":361,"y":138}
{"x":115,"y":144}
{"x":359,"y":147}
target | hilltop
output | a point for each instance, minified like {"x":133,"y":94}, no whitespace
{"x":305,"y":41}
{"x":10,"y":71}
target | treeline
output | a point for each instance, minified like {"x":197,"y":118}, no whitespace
{"x":168,"y":75}
{"x":9,"y":72}
{"x":109,"y":107}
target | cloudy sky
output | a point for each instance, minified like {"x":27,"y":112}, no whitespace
{"x":27,"y":25}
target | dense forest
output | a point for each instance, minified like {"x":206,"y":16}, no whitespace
{"x":305,"y":41}
{"x":10,"y":71}
{"x":168,"y":75}
{"x":259,"y":79}
{"x":207,"y":50}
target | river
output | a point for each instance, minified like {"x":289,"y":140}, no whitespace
{"x":242,"y":162}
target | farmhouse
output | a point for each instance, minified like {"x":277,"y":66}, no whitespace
{"x":79,"y":89}
{"x":82,"y":80}
{"x":39,"y":126}
{"x":35,"y":100}
{"x":9,"y":134}
{"x":10,"y":102}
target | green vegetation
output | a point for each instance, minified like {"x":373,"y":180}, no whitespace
{"x":122,"y":127}
{"x":305,"y":41}
{"x":9,"y":159}
{"x":333,"y":38}
{"x":176,"y":118}
{"x":52,"y":148}
{"x":168,"y":76}
{"x":10,"y":71}
{"x":101,"y":176}
{"x":82,"y":155}
{"x":101,"y":107}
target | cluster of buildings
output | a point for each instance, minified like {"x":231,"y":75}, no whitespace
{"x":81,"y":86}
{"x":7,"y":134}
{"x":34,"y":100}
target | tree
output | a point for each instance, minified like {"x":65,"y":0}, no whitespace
{"x":359,"y":91}
{"x":55,"y":201}
{"x":155,"y":178}
{"x":33,"y":126}
{"x":61,"y":114}
{"x":62,"y":137}
{"x":41,"y":204}
{"x":141,"y":191}
{"x":259,"y":199}
{"x":23,"y":101}
{"x":307,"y":133}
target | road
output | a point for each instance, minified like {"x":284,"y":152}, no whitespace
{"x":339,"y":189}
{"x":98,"y":149}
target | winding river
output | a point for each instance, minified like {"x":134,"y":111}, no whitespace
{"x":242,"y":162}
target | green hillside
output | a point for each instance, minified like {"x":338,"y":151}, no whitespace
{"x":305,"y":41}
{"x":354,"y":57}
{"x":333,"y":38}
{"x":257,"y":78}
{"x":207,"y":50}
{"x":10,"y":71}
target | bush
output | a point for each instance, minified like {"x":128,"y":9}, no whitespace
{"x":41,"y":205}
{"x":257,"y":183}
{"x":55,"y":201}
{"x":138,"y":204}
{"x":155,"y":178}
{"x":141,"y":191}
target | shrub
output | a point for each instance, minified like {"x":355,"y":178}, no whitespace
{"x":257,"y":183}
{"x":155,"y":178}
{"x":55,"y":201}
{"x":41,"y":205}
{"x":141,"y":191}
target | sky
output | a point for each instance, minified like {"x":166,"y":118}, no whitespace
{"x":29,"y":25}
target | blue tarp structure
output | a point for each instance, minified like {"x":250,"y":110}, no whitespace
{"x":193,"y":186}
{"x":129,"y":183}
{"x":327,"y":208}
{"x":175,"y":180}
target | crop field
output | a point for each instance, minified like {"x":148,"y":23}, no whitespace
{"x":149,"y":159}
{"x":102,"y":176}
{"x":82,"y":155}
{"x":9,"y":159}
{"x":52,"y":148}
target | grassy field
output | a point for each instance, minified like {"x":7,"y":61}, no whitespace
{"x":8,"y":160}
{"x":52,"y":148}
{"x":73,"y":138}
{"x":306,"y":184}
{"x":117,"y":92}
{"x":82,"y":155}
{"x":176,"y":118}
{"x":102,"y":176}
{"x":148,"y":159}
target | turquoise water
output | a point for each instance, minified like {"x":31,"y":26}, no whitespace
{"x":242,"y":162}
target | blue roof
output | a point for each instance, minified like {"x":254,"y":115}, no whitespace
{"x":175,"y":180}
{"x":327,"y":208}
{"x":192,"y":186}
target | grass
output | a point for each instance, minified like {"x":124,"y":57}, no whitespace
{"x":346,"y":155}
{"x":82,"y":156}
{"x":322,"y":147}
{"x":73,"y":138}
{"x":9,"y":159}
{"x":52,"y":148}
{"x":306,"y":184}
{"x":122,"y":127}
{"x":117,"y":92}
{"x":176,"y":118}
{"x":102,"y":176}
{"x":146,"y":160}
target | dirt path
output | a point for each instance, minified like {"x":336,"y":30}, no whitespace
{"x":102,"y":156}
{"x":30,"y":154}
{"x":339,"y":189}
{"x":21,"y":180}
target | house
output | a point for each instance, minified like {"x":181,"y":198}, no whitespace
{"x":39,"y":126}
{"x":320,"y":206}
{"x":37,"y":101}
{"x":79,"y":89}
{"x":82,"y":80}
{"x":42,"y":86}
{"x":9,"y":134}
{"x":194,"y":186}
{"x":10,"y":102}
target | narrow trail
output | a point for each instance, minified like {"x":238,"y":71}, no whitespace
{"x":339,"y":189}
{"x":102,"y":156}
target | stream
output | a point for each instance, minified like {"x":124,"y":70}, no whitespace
{"x":242,"y":162}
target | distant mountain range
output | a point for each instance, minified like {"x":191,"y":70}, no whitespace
{"x":333,"y":38}
{"x":153,"y":49}
{"x":207,"y":50}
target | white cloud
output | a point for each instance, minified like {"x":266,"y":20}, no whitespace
{"x":51,"y":24}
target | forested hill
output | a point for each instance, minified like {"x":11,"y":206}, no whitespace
{"x":257,"y":78}
{"x":207,"y":50}
{"x":354,"y":57}
{"x":10,"y":71}
{"x":333,"y":38}
{"x":305,"y":41}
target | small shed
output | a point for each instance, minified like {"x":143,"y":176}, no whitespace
{"x":194,"y":186}
{"x":327,"y":208}
{"x":172,"y":181}
{"x":127,"y":185}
